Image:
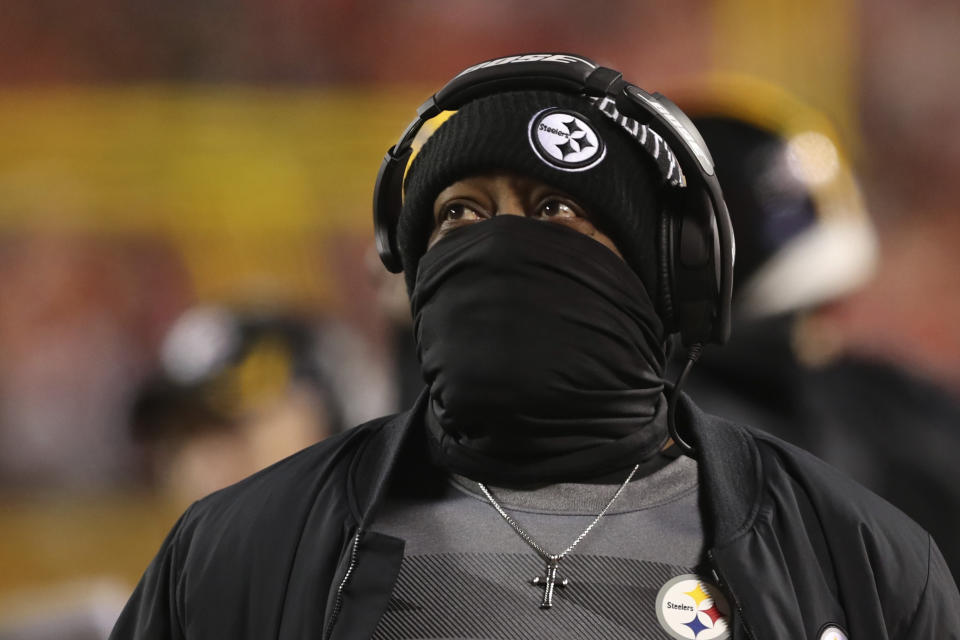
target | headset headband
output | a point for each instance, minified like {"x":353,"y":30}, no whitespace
{"x":571,"y":74}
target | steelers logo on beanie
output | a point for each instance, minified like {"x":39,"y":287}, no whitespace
{"x":564,"y":139}
{"x":611,"y":165}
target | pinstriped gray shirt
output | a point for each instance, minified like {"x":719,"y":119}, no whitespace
{"x":467,"y":574}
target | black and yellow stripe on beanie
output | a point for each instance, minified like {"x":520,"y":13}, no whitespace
{"x":494,"y":133}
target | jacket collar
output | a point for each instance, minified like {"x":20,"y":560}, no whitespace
{"x":398,"y":440}
{"x":730,"y":468}
{"x":730,"y":471}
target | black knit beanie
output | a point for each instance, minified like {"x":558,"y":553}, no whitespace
{"x":610,"y":165}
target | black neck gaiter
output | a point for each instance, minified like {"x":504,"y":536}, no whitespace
{"x":542,"y":353}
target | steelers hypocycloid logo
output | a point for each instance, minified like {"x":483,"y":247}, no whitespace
{"x":565,"y":140}
{"x":689,"y":608}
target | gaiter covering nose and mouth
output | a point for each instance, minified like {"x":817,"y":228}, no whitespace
{"x":542,"y":353}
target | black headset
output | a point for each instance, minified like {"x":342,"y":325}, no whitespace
{"x":696,"y":241}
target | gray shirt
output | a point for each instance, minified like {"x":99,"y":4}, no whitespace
{"x":467,"y":574}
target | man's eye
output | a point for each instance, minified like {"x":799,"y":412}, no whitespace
{"x":557,"y":209}
{"x":458,"y":211}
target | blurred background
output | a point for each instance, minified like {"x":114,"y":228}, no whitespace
{"x":185,"y":232}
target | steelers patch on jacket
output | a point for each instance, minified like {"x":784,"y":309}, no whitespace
{"x":565,"y":140}
{"x":691,"y":608}
{"x":832,"y":632}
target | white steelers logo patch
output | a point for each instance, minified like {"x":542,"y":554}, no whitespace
{"x":565,"y":140}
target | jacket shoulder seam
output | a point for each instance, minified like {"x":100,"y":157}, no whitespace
{"x":180,"y":602}
{"x":750,"y":521}
{"x":926,"y":586}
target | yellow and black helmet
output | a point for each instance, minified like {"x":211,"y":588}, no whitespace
{"x":802,"y":229}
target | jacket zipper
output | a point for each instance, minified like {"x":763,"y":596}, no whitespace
{"x":338,"y":603}
{"x":721,"y":583}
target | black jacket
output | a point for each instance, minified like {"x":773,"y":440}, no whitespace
{"x":889,"y":429}
{"x":285,"y":553}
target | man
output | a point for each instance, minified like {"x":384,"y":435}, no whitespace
{"x":535,"y":490}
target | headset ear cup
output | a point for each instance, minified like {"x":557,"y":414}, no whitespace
{"x":694,"y":267}
{"x":666,"y":291}
{"x":387,"y":203}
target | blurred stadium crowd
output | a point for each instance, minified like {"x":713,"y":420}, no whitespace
{"x":187,"y":290}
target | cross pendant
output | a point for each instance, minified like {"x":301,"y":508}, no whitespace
{"x":549,"y":580}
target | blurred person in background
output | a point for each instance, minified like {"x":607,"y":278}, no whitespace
{"x":237,"y":390}
{"x":805,"y":242}
{"x":527,"y":231}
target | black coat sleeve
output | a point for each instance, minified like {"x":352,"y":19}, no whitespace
{"x":154,"y":611}
{"x":938,"y":612}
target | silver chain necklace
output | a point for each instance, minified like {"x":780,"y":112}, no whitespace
{"x":549,"y":579}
